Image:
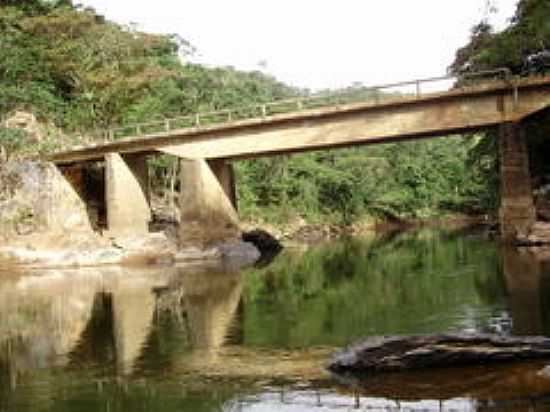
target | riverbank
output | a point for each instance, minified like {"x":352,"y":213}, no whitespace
{"x":299,"y":230}
{"x":64,"y":250}
{"x":86,"y":249}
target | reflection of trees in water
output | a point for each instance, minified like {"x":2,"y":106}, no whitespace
{"x":412,"y":282}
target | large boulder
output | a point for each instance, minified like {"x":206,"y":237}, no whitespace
{"x":264,"y":241}
{"x":35,"y":196}
{"x":394,"y":354}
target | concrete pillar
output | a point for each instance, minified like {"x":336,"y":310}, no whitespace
{"x":127,"y":195}
{"x":207,"y":203}
{"x":226,"y":177}
{"x":517,"y":210}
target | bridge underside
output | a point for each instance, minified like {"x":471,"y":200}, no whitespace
{"x":208,"y":204}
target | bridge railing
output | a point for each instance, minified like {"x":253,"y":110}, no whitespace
{"x":375,"y":94}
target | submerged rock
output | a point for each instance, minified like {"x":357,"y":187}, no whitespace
{"x":243,"y":252}
{"x":394,"y":354}
{"x":230,"y":255}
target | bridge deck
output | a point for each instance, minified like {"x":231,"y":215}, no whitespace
{"x":395,"y":117}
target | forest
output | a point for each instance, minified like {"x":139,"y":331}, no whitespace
{"x":78,"y":72}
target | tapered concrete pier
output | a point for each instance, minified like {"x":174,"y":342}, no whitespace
{"x":517,"y":210}
{"x":207,"y":203}
{"x":127,"y":195}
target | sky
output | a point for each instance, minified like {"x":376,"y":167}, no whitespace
{"x":316,"y":44}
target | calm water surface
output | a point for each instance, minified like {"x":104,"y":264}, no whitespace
{"x":211,"y":339}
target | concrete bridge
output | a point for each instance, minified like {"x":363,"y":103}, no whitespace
{"x":206,"y":147}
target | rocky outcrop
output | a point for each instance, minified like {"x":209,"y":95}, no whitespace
{"x":36,"y":197}
{"x":394,"y":354}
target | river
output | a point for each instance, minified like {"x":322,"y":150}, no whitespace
{"x":201,"y":338}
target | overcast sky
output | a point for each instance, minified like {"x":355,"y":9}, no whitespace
{"x":316,"y":43}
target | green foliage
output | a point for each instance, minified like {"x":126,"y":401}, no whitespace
{"x":524,"y":48}
{"x":514,"y":48}
{"x":12,"y":140}
{"x":397,"y":181}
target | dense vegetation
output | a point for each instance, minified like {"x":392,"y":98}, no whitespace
{"x":74,"y":69}
{"x":523,"y":48}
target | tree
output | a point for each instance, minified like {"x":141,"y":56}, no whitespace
{"x":524,"y":48}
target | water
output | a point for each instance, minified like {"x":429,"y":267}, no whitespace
{"x":206,"y":339}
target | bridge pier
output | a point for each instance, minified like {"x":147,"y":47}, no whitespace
{"x":517,"y":210}
{"x":207,"y":202}
{"x":127,"y":195}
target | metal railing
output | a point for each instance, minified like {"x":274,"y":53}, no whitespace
{"x":358,"y":94}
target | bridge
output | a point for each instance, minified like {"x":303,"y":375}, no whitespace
{"x":206,"y":143}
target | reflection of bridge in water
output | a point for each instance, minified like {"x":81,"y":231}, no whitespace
{"x":319,"y":400}
{"x":68,"y":315}
{"x":112,"y":318}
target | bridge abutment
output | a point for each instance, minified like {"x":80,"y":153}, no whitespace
{"x":207,"y":202}
{"x":127,"y":195}
{"x":517,"y":210}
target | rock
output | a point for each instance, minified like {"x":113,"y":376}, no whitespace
{"x":234,"y":254}
{"x":393,"y":354}
{"x":263,"y":241}
{"x":193,"y":253}
{"x":152,"y":242}
{"x":34,"y":197}
{"x":240,"y":252}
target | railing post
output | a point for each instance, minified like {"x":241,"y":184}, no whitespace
{"x":167,"y":125}
{"x":264,"y":110}
{"x":299,"y":104}
{"x":417,"y":88}
{"x":197,"y":120}
{"x":229,"y":117}
{"x":138,"y":130}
